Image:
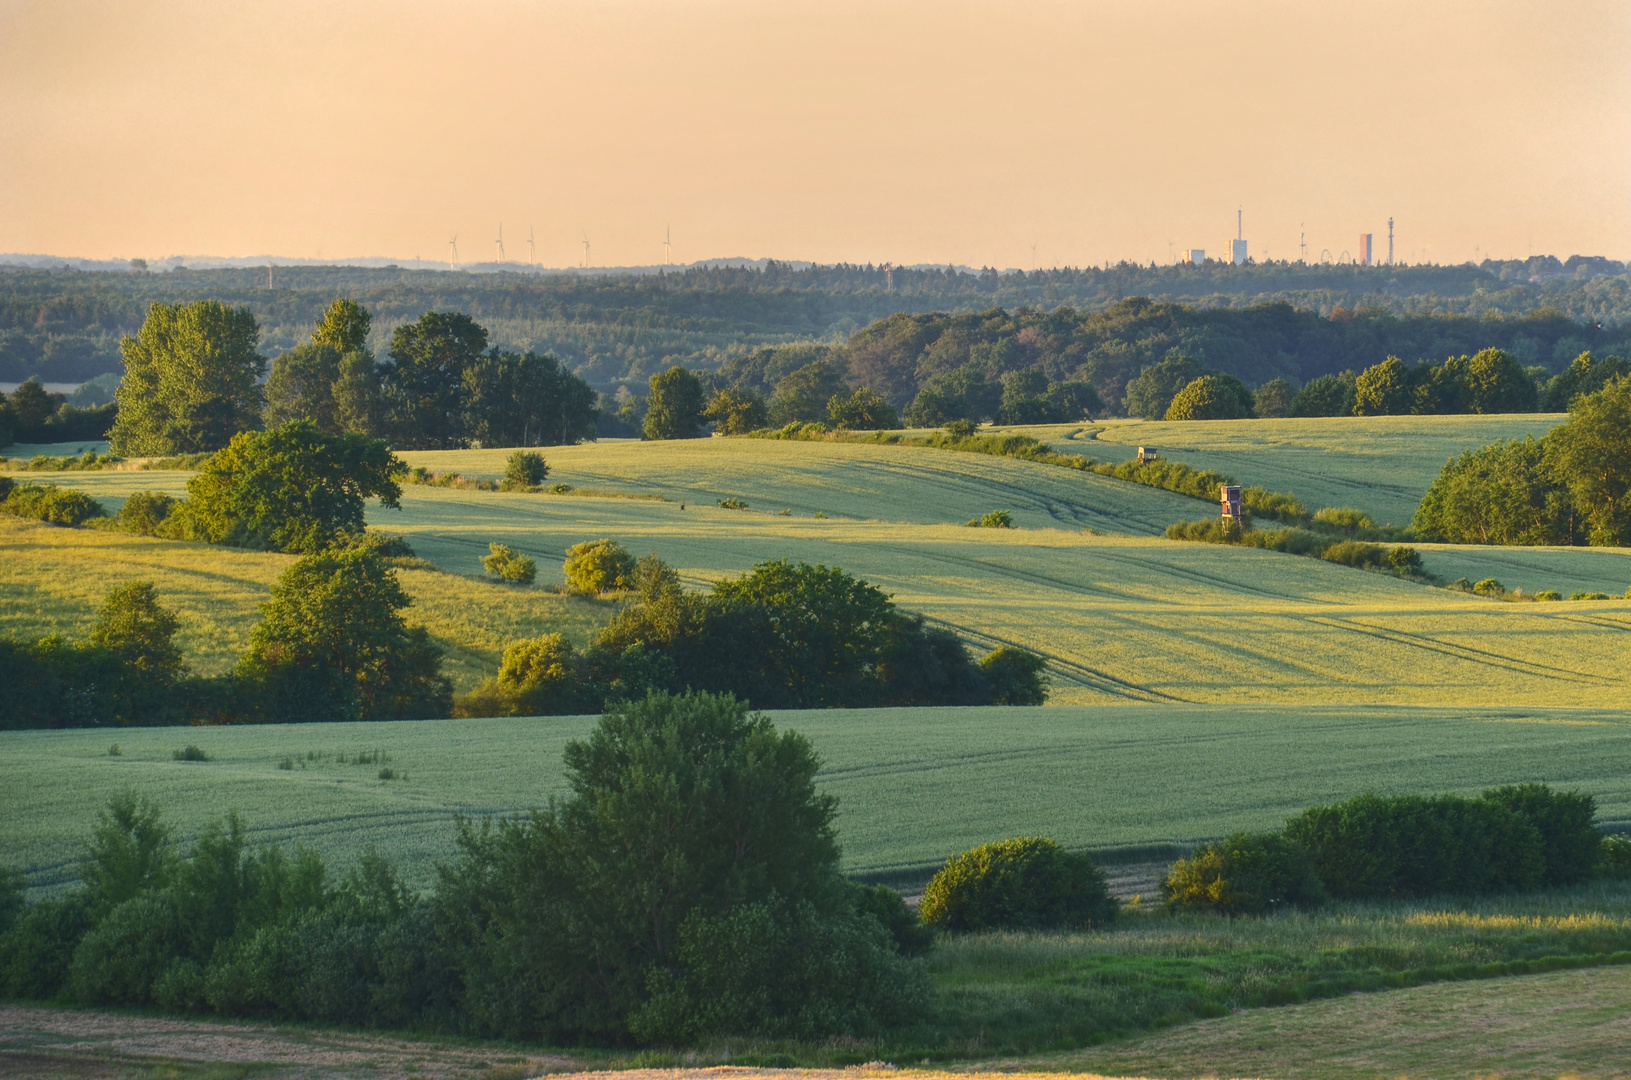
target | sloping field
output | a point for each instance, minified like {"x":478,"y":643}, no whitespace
{"x":1380,"y":464}
{"x":914,"y":785}
{"x":52,"y":581}
{"x":882,"y":483}
{"x":1118,"y":617}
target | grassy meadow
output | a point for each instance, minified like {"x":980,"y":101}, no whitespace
{"x":914,"y":785}
{"x":1381,"y":464}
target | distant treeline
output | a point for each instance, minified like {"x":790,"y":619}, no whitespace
{"x":616,"y":331}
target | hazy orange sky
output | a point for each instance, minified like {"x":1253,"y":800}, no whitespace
{"x":907,"y":132}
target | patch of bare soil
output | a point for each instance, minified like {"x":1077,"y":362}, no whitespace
{"x":59,"y":1044}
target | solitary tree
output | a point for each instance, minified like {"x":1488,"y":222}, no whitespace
{"x":332,"y":646}
{"x":136,"y":628}
{"x":1211,"y":397}
{"x":192,"y":380}
{"x":737,"y":412}
{"x":290,"y":489}
{"x":862,"y":410}
{"x":674,"y":407}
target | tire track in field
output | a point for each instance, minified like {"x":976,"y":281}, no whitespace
{"x":1463,"y":652}
{"x":1076,"y":672}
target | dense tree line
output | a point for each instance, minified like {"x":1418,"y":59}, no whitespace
{"x":786,"y":635}
{"x":32,"y":414}
{"x":688,"y":886}
{"x":615,"y":331}
{"x":192,"y":382}
{"x":1573,"y":486}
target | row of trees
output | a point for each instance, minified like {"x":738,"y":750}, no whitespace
{"x":1572,"y":486}
{"x":32,"y":414}
{"x":192,"y":382}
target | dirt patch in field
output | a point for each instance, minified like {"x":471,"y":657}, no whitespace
{"x":57,"y":1043}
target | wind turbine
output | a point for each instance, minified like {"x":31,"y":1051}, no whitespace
{"x":529,"y":245}
{"x":586,"y":251}
{"x":500,"y":242}
{"x":454,"y":244}
{"x":668,"y":246}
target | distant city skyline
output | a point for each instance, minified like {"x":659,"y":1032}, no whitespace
{"x":1023,"y":135}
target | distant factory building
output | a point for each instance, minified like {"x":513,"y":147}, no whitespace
{"x":1364,"y":249}
{"x":1237,"y":252}
{"x":1193,"y":256}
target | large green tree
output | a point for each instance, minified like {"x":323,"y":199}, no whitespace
{"x":1383,"y":389}
{"x":192,"y":380}
{"x":687,"y":886}
{"x":526,"y":400}
{"x":1591,"y":455}
{"x":802,"y":395}
{"x":423,"y":380}
{"x":1497,"y":494}
{"x":344,"y":327}
{"x":332,"y":645}
{"x":301,"y":387}
{"x":1151,"y":394}
{"x":1211,"y":397}
{"x":1497,"y":383}
{"x":140,"y":631}
{"x":674,"y":406}
{"x":291,"y":489}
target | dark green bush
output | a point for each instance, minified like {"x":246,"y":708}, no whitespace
{"x":1015,"y":677}
{"x":524,"y":470}
{"x":1614,"y":856}
{"x":50,"y":504}
{"x":886,"y":905}
{"x":1569,"y":838}
{"x":144,"y":512}
{"x":35,"y":954}
{"x":1412,"y":845}
{"x":119,"y":961}
{"x":1358,"y":554}
{"x":1244,"y":874}
{"x":1025,"y":883}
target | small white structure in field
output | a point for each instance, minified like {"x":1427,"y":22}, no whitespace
{"x":1147,"y":454}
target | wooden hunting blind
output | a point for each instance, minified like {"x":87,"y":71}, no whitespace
{"x":1229,"y":495}
{"x":1147,"y":454}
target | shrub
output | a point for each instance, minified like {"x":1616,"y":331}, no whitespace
{"x":144,"y":512}
{"x":861,"y":409}
{"x":540,"y":676}
{"x":732,"y":503}
{"x":1411,"y":845}
{"x":886,"y":905}
{"x":1406,"y":560}
{"x":1569,"y":840}
{"x":121,"y":959}
{"x":1345,"y":519}
{"x":506,"y":565}
{"x":51,"y":504}
{"x":1588,"y":596}
{"x":525,"y":470}
{"x":1548,"y":594}
{"x":1026,"y":883}
{"x":36,"y":954}
{"x":1015,"y":676}
{"x":1489,"y":587}
{"x":598,"y":566}
{"x":961,"y":428}
{"x":1614,"y":856}
{"x":1357,"y":554}
{"x":190,"y":753}
{"x":994,"y":519}
{"x":1244,"y":874}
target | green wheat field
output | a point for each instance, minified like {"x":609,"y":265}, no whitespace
{"x":1196,"y":689}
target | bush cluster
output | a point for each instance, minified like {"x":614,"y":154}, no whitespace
{"x":786,"y":635}
{"x":688,"y":887}
{"x":1371,"y":847}
{"x":1028,"y":883}
{"x":48,"y":503}
{"x":1398,"y":559}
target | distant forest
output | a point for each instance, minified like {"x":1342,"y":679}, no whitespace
{"x":890,"y":329}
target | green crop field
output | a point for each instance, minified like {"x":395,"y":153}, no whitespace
{"x":1118,"y":616}
{"x":52,"y":580}
{"x":914,"y":785}
{"x":1380,"y":464}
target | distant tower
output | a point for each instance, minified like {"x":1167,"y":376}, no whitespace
{"x":529,"y":245}
{"x":268,"y":275}
{"x":1302,"y":243}
{"x":888,"y":277}
{"x":586,"y":251}
{"x":668,"y":245}
{"x":1390,"y":241}
{"x":1237,"y":247}
{"x":453,"y":261}
{"x":1364,"y":249}
{"x":500,"y":241}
